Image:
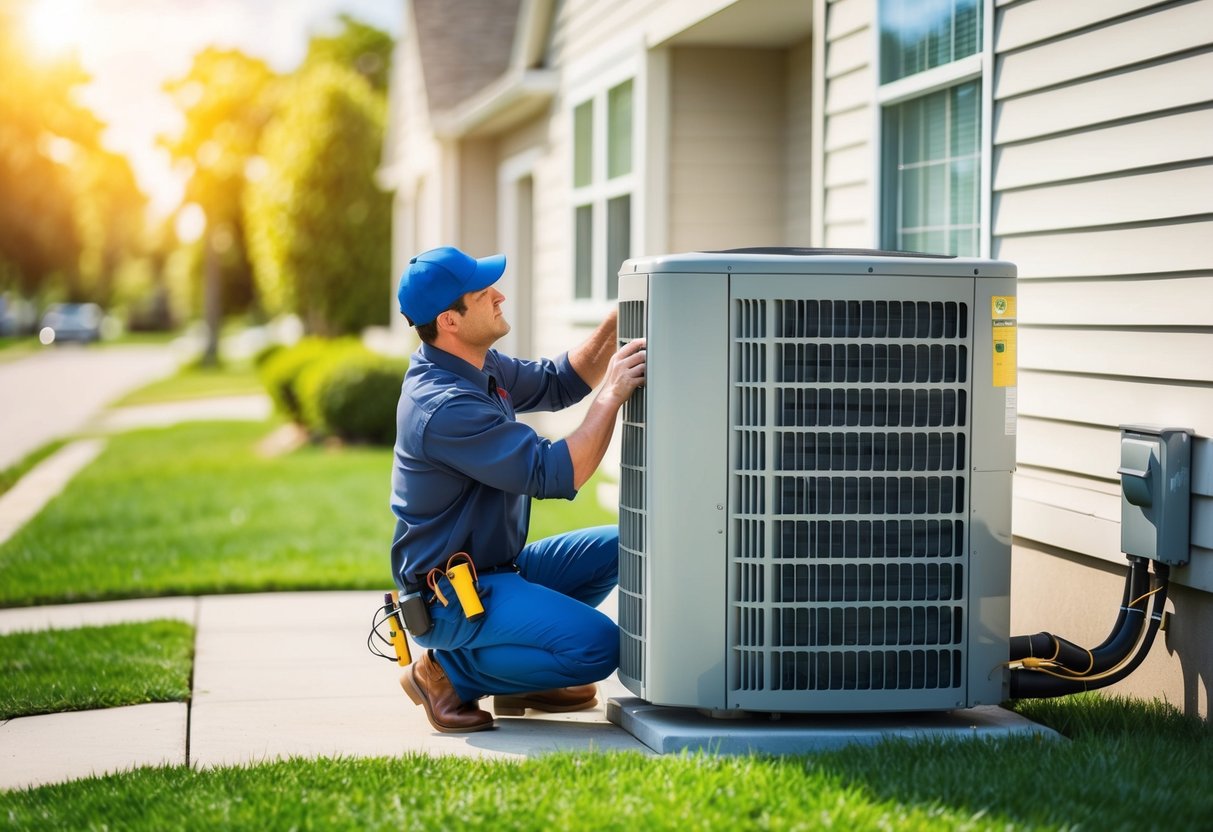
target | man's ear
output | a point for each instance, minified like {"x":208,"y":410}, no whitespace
{"x":447,"y":321}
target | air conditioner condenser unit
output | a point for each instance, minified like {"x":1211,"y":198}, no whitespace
{"x":815,"y":495}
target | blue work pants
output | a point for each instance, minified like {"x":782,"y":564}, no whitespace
{"x":540,"y":629}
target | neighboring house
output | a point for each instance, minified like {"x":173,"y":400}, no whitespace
{"x":1071,"y":137}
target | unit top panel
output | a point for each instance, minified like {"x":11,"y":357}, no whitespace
{"x":818,"y":261}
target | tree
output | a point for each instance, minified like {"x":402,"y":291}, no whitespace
{"x":319,"y":228}
{"x":356,"y":46}
{"x":110,"y":212}
{"x":227,"y":98}
{"x":42,"y":132}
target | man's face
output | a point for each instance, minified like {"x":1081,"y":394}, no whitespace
{"x":483,"y":322}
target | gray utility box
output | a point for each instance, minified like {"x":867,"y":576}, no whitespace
{"x":815,"y":496}
{"x":1156,"y":492}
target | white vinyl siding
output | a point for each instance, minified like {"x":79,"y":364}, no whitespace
{"x":1103,"y":196}
{"x":847,"y":42}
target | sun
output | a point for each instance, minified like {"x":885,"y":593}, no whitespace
{"x":56,"y":27}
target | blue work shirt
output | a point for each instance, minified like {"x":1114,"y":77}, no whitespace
{"x":465,"y":470}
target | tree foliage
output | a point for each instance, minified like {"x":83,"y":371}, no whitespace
{"x":357,"y":46}
{"x":227,"y":98}
{"x":71,"y":210}
{"x":319,"y":227}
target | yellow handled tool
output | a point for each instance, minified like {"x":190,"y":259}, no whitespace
{"x":396,"y":628}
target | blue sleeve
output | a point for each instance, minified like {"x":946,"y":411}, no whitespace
{"x":479,"y":442}
{"x":546,"y":384}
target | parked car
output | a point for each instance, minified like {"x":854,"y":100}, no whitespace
{"x":71,"y":322}
{"x":17,"y":316}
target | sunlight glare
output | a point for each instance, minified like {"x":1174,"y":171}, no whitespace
{"x":55,"y":27}
{"x":191,"y":223}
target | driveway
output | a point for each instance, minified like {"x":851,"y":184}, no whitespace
{"x":56,"y":392}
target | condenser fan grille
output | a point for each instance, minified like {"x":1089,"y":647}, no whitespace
{"x":633,"y":509}
{"x":849,"y":494}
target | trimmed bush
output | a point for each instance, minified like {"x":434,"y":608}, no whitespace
{"x":281,"y":371}
{"x":265,"y":354}
{"x":352,"y":394}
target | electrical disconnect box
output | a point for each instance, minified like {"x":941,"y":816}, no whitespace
{"x":1156,"y":478}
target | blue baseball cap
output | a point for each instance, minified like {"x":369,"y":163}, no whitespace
{"x":437,"y":278}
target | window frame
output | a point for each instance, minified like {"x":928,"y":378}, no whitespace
{"x":975,"y":67}
{"x":601,"y":74}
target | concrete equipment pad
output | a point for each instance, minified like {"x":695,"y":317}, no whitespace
{"x":670,"y":730}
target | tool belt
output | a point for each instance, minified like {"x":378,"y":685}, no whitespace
{"x":464,"y":578}
{"x":411,"y":611}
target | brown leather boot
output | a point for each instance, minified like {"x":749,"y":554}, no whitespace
{"x":558,"y":700}
{"x":428,"y":686}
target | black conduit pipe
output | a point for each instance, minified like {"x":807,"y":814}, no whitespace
{"x":1112,"y":650}
{"x":1137,"y":582}
{"x":1035,"y":684}
{"x":1042,"y":645}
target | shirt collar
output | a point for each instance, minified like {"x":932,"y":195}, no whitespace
{"x":454,"y":364}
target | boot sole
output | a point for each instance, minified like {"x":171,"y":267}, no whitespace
{"x":411,"y":689}
{"x":513,"y":706}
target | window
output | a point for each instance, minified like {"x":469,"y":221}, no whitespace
{"x":603,"y":183}
{"x":931,"y":96}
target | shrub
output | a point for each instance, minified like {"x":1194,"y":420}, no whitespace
{"x":281,"y":371}
{"x":261,"y":356}
{"x":352,"y":394}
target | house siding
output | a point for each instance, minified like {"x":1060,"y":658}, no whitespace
{"x":798,"y":145}
{"x":1103,"y":196}
{"x":849,"y":116}
{"x":727,"y":148}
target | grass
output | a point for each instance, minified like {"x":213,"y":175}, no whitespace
{"x":95,"y":667}
{"x":1128,"y":766}
{"x":12,"y":348}
{"x":10,"y":475}
{"x":196,"y":382}
{"x":195,"y":509}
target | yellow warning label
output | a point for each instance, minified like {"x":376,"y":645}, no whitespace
{"x":1002,"y":317}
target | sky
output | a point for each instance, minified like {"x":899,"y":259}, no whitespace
{"x":130,"y":47}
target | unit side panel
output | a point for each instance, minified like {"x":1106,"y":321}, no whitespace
{"x":995,"y":382}
{"x":850,"y":445}
{"x":989,"y":621}
{"x":687,"y":394}
{"x":995,"y":402}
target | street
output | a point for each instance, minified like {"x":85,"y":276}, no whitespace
{"x":56,"y":392}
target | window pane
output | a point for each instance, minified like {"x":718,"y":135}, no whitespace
{"x":619,"y":240}
{"x":583,"y":279}
{"x":583,"y":144}
{"x":619,"y":130}
{"x":932,"y":171}
{"x":916,"y":35}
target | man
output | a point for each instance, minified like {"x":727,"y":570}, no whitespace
{"x":464,"y":474}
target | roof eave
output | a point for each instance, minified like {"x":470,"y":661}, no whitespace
{"x":513,"y":98}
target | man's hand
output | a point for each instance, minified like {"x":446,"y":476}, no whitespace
{"x":625,"y":372}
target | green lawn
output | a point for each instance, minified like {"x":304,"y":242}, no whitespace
{"x":95,"y":667}
{"x":195,"y":382}
{"x":10,"y":475}
{"x":195,"y":509}
{"x":1129,"y":766}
